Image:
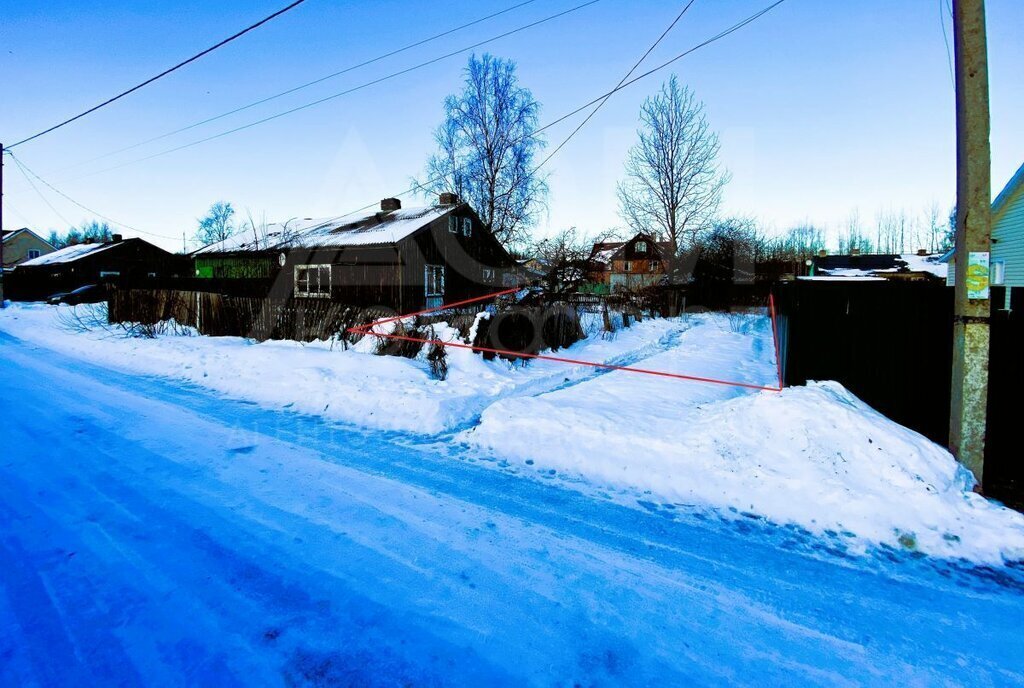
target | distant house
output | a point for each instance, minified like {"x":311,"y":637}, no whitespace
{"x":629,"y":265}
{"x":117,"y":261}
{"x":908,"y":267}
{"x":405,"y":259}
{"x":1006,"y":259}
{"x":23,"y":244}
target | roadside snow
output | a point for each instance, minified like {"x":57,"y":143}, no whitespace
{"x":354,"y":386}
{"x":813,"y":456}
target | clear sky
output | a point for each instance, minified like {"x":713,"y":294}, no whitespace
{"x":822,"y":106}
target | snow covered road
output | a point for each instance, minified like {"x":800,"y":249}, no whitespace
{"x":154,"y":533}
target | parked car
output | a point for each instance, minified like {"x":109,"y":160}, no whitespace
{"x":90,"y":293}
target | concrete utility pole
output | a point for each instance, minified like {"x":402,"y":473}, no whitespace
{"x":968,"y":408}
{"x":1,"y":225}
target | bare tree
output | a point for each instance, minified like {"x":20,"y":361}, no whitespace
{"x":565,"y":257}
{"x":852,"y":237}
{"x":673,"y":185}
{"x":217,"y":224}
{"x":486,"y":149}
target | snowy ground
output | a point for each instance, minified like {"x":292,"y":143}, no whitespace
{"x":153,"y":532}
{"x":813,"y":457}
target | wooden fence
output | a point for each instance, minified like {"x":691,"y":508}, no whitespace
{"x":241,"y":316}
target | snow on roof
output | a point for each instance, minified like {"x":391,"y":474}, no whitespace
{"x":356,"y":229}
{"x":870,"y":265}
{"x":68,"y":254}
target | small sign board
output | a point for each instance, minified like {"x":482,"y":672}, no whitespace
{"x":977,"y":275}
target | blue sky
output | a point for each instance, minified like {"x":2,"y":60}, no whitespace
{"x":822,"y":107}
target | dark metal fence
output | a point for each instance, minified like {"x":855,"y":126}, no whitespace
{"x":891,"y":344}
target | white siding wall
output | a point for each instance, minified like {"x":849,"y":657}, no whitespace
{"x":1008,"y":236}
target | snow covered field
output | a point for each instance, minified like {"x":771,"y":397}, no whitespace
{"x":814,"y":457}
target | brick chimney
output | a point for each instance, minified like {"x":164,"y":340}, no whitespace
{"x":448,"y":198}
{"x":922,"y":252}
{"x":822,"y":253}
{"x":854,"y":251}
{"x":389,"y":204}
{"x":116,"y":238}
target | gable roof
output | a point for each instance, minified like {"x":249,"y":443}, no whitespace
{"x":607,"y":251}
{"x":1011,"y":186}
{"x":68,"y":254}
{"x":9,"y":234}
{"x":356,"y":229}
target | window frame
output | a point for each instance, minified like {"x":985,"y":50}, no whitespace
{"x":453,"y":224}
{"x":640,"y":246}
{"x":438,"y":284}
{"x":627,"y":266}
{"x":487,"y":275}
{"x":467,"y":226}
{"x":319,"y":268}
{"x":32,"y":251}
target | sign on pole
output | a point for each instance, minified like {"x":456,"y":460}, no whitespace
{"x":977,"y":275}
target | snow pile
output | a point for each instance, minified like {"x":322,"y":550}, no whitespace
{"x":353,"y":386}
{"x":814,"y":456}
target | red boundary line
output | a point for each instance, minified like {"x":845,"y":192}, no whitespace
{"x":366,"y":330}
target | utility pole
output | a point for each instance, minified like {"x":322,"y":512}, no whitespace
{"x":1,"y":225}
{"x":969,"y":399}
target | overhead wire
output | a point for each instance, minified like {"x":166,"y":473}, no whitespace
{"x":307,"y":84}
{"x":162,"y":74}
{"x":605,"y":100}
{"x":353,"y":89}
{"x":25,"y":168}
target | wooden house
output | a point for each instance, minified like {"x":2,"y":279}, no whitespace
{"x":119,"y":261}
{"x":20,"y":245}
{"x":401,"y":258}
{"x":629,"y":265}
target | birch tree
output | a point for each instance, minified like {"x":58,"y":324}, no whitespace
{"x":673,"y":184}
{"x":486,"y":147}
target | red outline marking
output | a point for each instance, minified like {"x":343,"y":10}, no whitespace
{"x":366,"y":330}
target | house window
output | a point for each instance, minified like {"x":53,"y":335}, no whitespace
{"x":433,"y":276}
{"x":109,"y":273}
{"x":313,"y":281}
{"x":467,"y":226}
{"x":33,"y":253}
{"x":453,"y":224}
{"x":488,"y":275}
{"x":641,"y":247}
{"x":627,"y":266}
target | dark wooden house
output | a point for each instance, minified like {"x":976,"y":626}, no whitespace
{"x":405,"y":259}
{"x":124,"y":262}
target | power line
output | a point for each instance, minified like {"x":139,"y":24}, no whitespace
{"x":25,"y":168}
{"x":164,"y":73}
{"x":604,"y":96}
{"x":38,"y":192}
{"x":605,"y":100}
{"x":945,"y":40}
{"x":294,"y":89}
{"x":325,"y":99}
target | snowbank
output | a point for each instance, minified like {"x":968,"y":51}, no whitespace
{"x":814,"y":456}
{"x":353,"y":386}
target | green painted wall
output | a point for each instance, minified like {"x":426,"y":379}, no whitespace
{"x":233,"y":267}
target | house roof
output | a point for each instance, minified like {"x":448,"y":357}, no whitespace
{"x":69,"y":254}
{"x":11,"y":233}
{"x":357,"y":229}
{"x":868,"y":265}
{"x":1004,"y":196}
{"x":606,"y":251}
